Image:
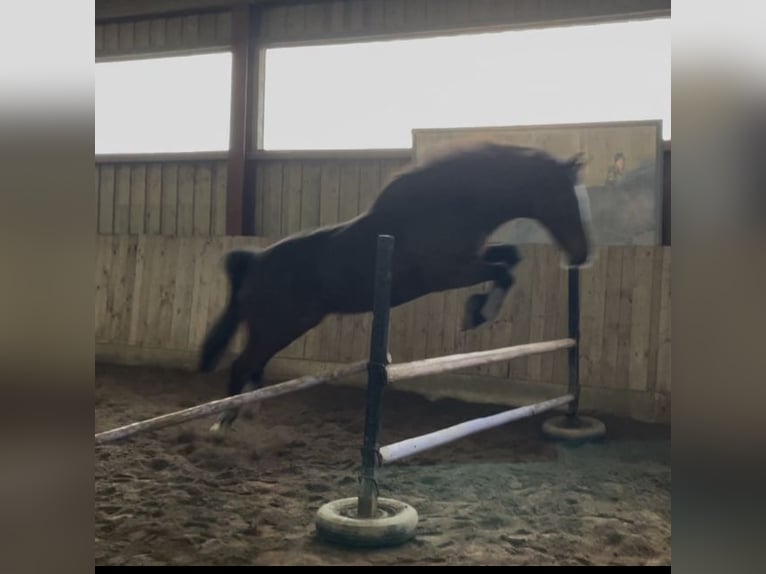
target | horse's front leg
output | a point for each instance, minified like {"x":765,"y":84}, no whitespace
{"x":484,"y":307}
{"x":496,"y":264}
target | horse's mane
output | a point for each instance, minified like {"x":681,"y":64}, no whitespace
{"x":472,"y":153}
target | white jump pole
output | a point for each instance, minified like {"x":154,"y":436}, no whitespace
{"x":449,"y":363}
{"x":220,"y":405}
{"x":411,"y":446}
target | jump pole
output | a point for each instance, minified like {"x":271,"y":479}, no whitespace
{"x":438,"y":365}
{"x":220,"y":405}
{"x":411,"y":446}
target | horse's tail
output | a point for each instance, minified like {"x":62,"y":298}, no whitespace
{"x":225,"y":327}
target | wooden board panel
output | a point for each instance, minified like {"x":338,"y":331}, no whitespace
{"x":148,"y":305}
{"x":272,"y":199}
{"x":122,"y":200}
{"x":190,"y":30}
{"x":260,"y":191}
{"x":555,"y":305}
{"x":274,"y":22}
{"x":204,"y":267}
{"x":608,"y":368}
{"x":374,"y":16}
{"x":183,"y":293}
{"x":436,"y":13}
{"x":96,"y":205}
{"x":126,"y":36}
{"x":219,"y":198}
{"x":329,"y":198}
{"x":223,"y":28}
{"x":185,"y":199}
{"x":540,"y":286}
{"x":354,"y":17}
{"x":592,"y":310}
{"x":153,"y":218}
{"x":106,"y":199}
{"x":369,"y":184}
{"x":203,"y":191}
{"x":393,"y":16}
{"x":337,"y":23}
{"x":169,"y":216}
{"x":157,"y":33}
{"x":640,"y":320}
{"x":521,"y":304}
{"x":291,"y":197}
{"x":137,"y":198}
{"x":626,"y":312}
{"x":103,"y":271}
{"x":143,"y":246}
{"x":173,"y":27}
{"x":315,"y":19}
{"x":111,"y":38}
{"x":310,"y":190}
{"x":654,"y":319}
{"x":99,"y":43}
{"x":123,"y":271}
{"x":207,"y":28}
{"x":162,"y":323}
{"x":665,"y":336}
{"x":296,"y":20}
{"x":141,"y":36}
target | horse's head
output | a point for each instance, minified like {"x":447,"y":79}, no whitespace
{"x":563,"y":208}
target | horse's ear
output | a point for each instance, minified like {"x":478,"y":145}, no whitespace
{"x":575,"y":164}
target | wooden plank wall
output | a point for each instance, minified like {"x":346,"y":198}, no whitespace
{"x":301,"y":22}
{"x":167,"y":198}
{"x":166,"y":34}
{"x":160,"y":295}
{"x":298,"y":194}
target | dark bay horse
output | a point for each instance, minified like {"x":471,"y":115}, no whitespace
{"x":440,"y":215}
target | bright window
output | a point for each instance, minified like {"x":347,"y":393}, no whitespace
{"x":178,"y":104}
{"x":371,"y":95}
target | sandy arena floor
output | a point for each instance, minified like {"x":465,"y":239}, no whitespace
{"x":507,"y":496}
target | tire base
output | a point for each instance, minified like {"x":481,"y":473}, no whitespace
{"x":395,"y":524}
{"x":574,"y":429}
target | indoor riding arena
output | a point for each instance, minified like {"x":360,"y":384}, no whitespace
{"x":383,"y":282}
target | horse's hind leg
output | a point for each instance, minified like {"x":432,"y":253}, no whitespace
{"x":242,"y":372}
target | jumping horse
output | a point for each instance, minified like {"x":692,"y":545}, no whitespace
{"x":441,"y":215}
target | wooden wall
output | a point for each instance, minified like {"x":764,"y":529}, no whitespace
{"x":164,"y":34}
{"x":346,"y":19}
{"x":297,"y":194}
{"x":167,"y":198}
{"x":156,"y":297}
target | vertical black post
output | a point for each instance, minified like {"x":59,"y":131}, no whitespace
{"x":574,"y":333}
{"x":377,"y":377}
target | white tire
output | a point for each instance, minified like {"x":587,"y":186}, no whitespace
{"x":395,"y":524}
{"x":579,"y":428}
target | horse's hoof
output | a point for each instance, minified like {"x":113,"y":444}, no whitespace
{"x":223,"y":423}
{"x":473,"y":317}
